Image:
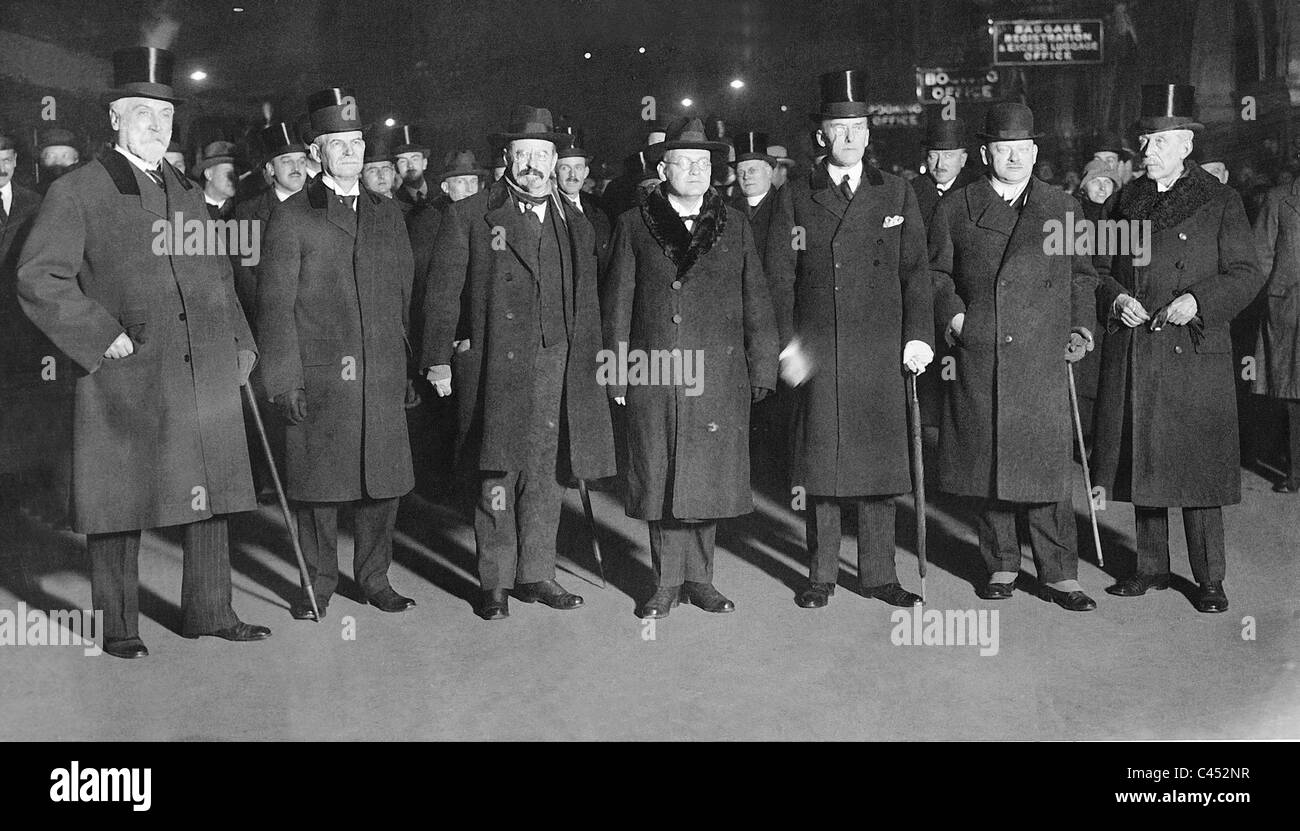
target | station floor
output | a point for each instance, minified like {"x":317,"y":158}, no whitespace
{"x":1149,"y":667}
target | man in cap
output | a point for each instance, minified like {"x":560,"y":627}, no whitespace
{"x":784,"y":165}
{"x":532,"y":416}
{"x":410,"y":159}
{"x":158,"y":435}
{"x":571,"y":174}
{"x":945,"y":165}
{"x":58,"y":154}
{"x":1014,"y":314}
{"x":215,"y":171}
{"x":1165,"y":430}
{"x":847,"y":255}
{"x":335,"y":362}
{"x":686,"y":279}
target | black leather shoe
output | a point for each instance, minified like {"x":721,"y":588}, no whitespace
{"x":239,"y":632}
{"x":706,"y":597}
{"x":1070,"y":601}
{"x":1287,"y":485}
{"x":125,"y":647}
{"x":495,"y":605}
{"x":1211,"y":598}
{"x":301,"y":609}
{"x":815,"y":596}
{"x":548,"y":592}
{"x":1139,"y":584}
{"x":893,"y":594}
{"x":660,"y":603}
{"x":389,"y":600}
{"x":996,"y":591}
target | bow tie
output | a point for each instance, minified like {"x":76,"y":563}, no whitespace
{"x":688,"y":218}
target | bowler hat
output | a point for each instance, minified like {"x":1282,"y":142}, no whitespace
{"x":460,"y":163}
{"x":530,"y":123}
{"x":214,"y":153}
{"x":1008,"y":121}
{"x":408,"y":141}
{"x":944,"y":134}
{"x":844,"y":95}
{"x":333,"y":110}
{"x":576,"y":142}
{"x":278,"y":139}
{"x":781,"y":155}
{"x":688,"y":134}
{"x":56,"y":137}
{"x":753,"y":146}
{"x":143,"y":72}
{"x":1168,"y":107}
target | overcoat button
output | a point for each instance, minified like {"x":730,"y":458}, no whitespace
{"x":1009,"y":339}
{"x":181,"y":316}
{"x":880,"y":242}
{"x":875,"y":262}
{"x":187,"y":359}
{"x":1181,"y":235}
{"x":1178,"y":264}
{"x":510,"y":315}
{"x":677,"y":284}
{"x":1178,"y":349}
{"x":677,"y":318}
{"x":713,"y":427}
{"x":510,"y":356}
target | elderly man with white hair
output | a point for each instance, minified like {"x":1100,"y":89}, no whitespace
{"x":1165,"y":431}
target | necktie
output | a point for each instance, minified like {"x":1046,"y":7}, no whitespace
{"x":4,"y":214}
{"x":350,"y":201}
{"x":845,"y":188}
{"x":157,"y":178}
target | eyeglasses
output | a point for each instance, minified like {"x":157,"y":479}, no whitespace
{"x":697,"y":166}
{"x":531,"y":155}
{"x":842,"y":130}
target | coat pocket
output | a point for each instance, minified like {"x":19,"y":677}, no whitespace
{"x":135,"y":322}
{"x":320,"y":352}
{"x":1217,"y":341}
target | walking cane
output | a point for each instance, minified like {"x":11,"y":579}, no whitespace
{"x":1083,"y":458}
{"x":284,"y":503}
{"x":591,"y":526}
{"x":918,"y":475}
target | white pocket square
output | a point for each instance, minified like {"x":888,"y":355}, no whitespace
{"x":891,"y":221}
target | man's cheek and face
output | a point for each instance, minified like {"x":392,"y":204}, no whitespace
{"x":145,"y":127}
{"x":290,"y":171}
{"x":341,"y":154}
{"x":223,"y":180}
{"x":845,"y":140}
{"x":8,"y":163}
{"x":944,"y":165}
{"x":1099,"y":190}
{"x":410,"y":167}
{"x":570,"y":174}
{"x":687,"y":172}
{"x":176,"y":160}
{"x":779,"y":175}
{"x":1012,"y":162}
{"x":459,"y":187}
{"x":376,"y":177}
{"x":1218,"y":170}
{"x":755,"y":176}
{"x":532,"y":163}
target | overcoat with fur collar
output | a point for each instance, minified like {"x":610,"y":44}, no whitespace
{"x":702,"y":292}
{"x":1178,"y":385}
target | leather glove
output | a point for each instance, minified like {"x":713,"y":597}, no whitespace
{"x":440,"y":378}
{"x":796,"y":366}
{"x":757,"y":394}
{"x":1129,"y":311}
{"x":917,"y":355}
{"x":247,"y":360}
{"x":1079,"y":344}
{"x":952,"y":334}
{"x":292,"y":406}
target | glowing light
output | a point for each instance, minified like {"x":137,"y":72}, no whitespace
{"x":586,"y":55}
{"x":686,"y":102}
{"x":641,"y":50}
{"x":784,"y":108}
{"x":388,"y":122}
{"x":737,"y":84}
{"x":198,"y":75}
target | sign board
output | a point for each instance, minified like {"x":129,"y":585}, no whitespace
{"x":886,"y":116}
{"x":934,"y":85}
{"x":1046,"y":42}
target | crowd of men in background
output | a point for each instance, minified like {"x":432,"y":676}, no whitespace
{"x":405,"y":326}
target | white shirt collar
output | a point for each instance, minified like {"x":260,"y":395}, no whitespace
{"x":333,"y":185}
{"x":754,"y":200}
{"x":7,"y":196}
{"x":942,"y":188}
{"x":1009,"y":193}
{"x":214,"y":203}
{"x":134,"y":159}
{"x":281,"y":194}
{"x":837,"y":174}
{"x":576,"y":201}
{"x":1162,"y":188}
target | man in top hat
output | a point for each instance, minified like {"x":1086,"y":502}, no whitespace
{"x":686,"y":279}
{"x":378,"y":174}
{"x":945,"y":165}
{"x":784,"y":165}
{"x":158,"y":434}
{"x":1165,"y":430}
{"x":532,"y":416}
{"x":847,"y":255}
{"x":1013,"y":314}
{"x":58,"y":154}
{"x":285,"y":164}
{"x":215,"y":171}
{"x":755,"y":167}
{"x":333,"y":293}
{"x":410,"y":159}
{"x":571,"y":174}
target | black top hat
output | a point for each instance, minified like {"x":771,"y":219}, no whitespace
{"x":688,"y":134}
{"x":408,"y":141}
{"x":1168,"y":107}
{"x":844,"y":95}
{"x":214,"y":153}
{"x":1008,"y":121}
{"x":530,"y":123}
{"x":639,"y":166}
{"x":379,"y":146}
{"x":576,"y":143}
{"x":56,"y":137}
{"x":303,"y":125}
{"x":460,"y":163}
{"x":752,"y":146}
{"x":945,"y":134}
{"x":143,"y":72}
{"x":333,"y":110}
{"x":278,"y":139}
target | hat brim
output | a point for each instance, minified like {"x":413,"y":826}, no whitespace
{"x":155,"y":91}
{"x":849,"y":109}
{"x":411,"y":148}
{"x":451,"y":174}
{"x":575,"y":152}
{"x":942,"y":145}
{"x":1004,"y":137}
{"x":751,"y":157}
{"x":712,"y":146}
{"x":1164,"y":123}
{"x":203,"y":165}
{"x":560,"y":140}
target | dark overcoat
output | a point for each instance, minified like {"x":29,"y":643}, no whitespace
{"x":333,"y":292}
{"x":1179,"y":382}
{"x":478,"y":256}
{"x":22,"y":346}
{"x":158,"y":437}
{"x":854,"y":292}
{"x":1005,"y":426}
{"x":1277,"y":241}
{"x":760,"y":218}
{"x":927,"y":192}
{"x":688,"y":454}
{"x":256,"y":208}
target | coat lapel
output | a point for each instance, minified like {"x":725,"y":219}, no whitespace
{"x":503,"y":214}
{"x":824,"y":193}
{"x":988,"y":210}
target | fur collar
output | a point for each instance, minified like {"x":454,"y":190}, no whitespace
{"x":1194,"y":189}
{"x":670,"y":232}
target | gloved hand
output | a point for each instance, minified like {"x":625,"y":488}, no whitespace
{"x":796,"y":365}
{"x":953,"y":333}
{"x":247,"y":359}
{"x":1079,"y":344}
{"x":917,"y":355}
{"x":1129,"y":311}
{"x":120,"y":347}
{"x":292,"y":406}
{"x":757,"y":394}
{"x":412,"y":394}
{"x":1182,"y":310}
{"x":440,"y":378}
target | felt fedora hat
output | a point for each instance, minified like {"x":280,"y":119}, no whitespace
{"x":530,"y":123}
{"x":211,"y":154}
{"x":460,"y":163}
{"x":688,"y":134}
